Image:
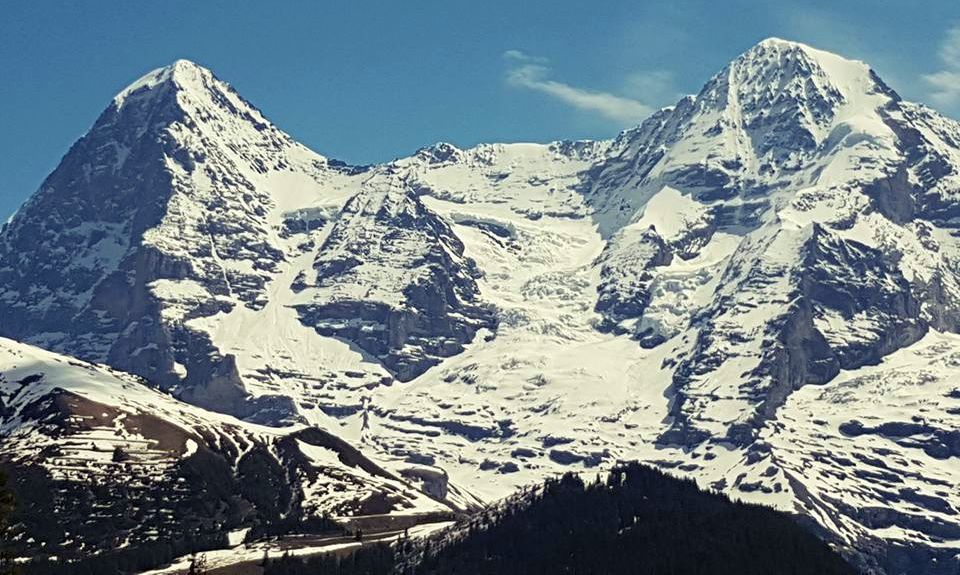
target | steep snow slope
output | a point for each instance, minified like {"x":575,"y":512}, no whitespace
{"x":874,"y":453}
{"x":387,"y":282}
{"x":548,"y":377}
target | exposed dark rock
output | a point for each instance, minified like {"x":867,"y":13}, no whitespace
{"x":625,"y":278}
{"x":833,"y":277}
{"x":433,"y":480}
{"x":936,"y":442}
{"x":439,"y":310}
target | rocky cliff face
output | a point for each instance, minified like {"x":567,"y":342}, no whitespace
{"x":392,"y":278}
{"x":836,"y":304}
{"x":173,"y":207}
{"x":161,"y":192}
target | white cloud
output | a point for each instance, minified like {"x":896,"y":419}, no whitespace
{"x":945,"y":83}
{"x":533,"y":73}
{"x":649,"y":84}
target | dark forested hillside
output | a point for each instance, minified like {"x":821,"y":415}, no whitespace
{"x":6,"y":508}
{"x":638,"y":520}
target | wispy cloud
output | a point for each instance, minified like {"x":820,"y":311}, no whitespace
{"x":533,"y":73}
{"x":945,"y":83}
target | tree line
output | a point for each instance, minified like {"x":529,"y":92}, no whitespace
{"x":636,"y":520}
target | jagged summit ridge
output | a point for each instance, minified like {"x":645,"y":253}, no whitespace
{"x":788,"y":96}
{"x":798,"y":60}
{"x":181,"y":74}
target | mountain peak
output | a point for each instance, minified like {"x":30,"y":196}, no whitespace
{"x":189,"y":94}
{"x":785,"y":96}
{"x":183,"y":63}
{"x":440,"y":152}
{"x":775,"y":43}
{"x":176,"y":154}
{"x":181,"y":75}
{"x":783,"y":60}
{"x":184,"y":71}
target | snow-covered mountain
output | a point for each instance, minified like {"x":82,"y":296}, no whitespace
{"x":809,"y":180}
{"x":757,"y":287}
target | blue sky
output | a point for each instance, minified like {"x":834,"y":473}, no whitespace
{"x":368,"y":81}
